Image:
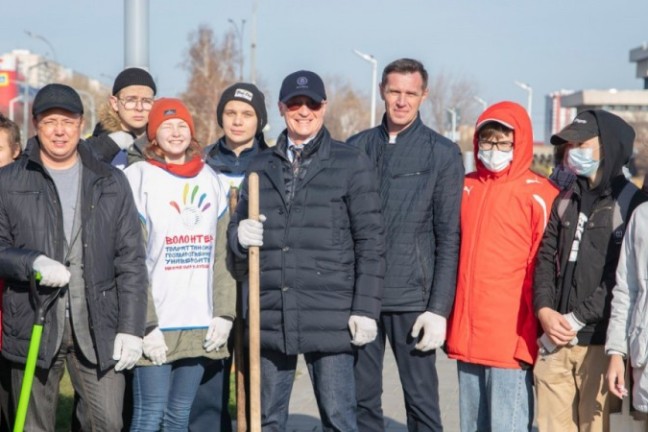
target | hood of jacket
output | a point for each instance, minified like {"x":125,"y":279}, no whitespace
{"x":514,"y":115}
{"x":617,"y":141}
{"x":108,"y":120}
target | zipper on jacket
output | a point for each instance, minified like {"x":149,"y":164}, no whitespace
{"x":417,"y":173}
{"x":417,"y":249}
{"x":471,"y":259}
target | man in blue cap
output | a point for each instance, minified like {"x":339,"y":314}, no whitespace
{"x":322,"y":257}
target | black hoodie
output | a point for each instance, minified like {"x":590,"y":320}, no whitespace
{"x":593,"y":275}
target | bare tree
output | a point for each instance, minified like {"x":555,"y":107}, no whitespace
{"x":347,"y":110}
{"x":212,"y":67}
{"x":454,"y":92}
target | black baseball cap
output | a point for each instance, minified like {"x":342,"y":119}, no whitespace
{"x":57,"y":96}
{"x":582,"y":128}
{"x":302,"y":83}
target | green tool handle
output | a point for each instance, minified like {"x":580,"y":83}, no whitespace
{"x":28,"y":378}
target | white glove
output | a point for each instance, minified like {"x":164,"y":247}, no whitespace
{"x":217,"y":334}
{"x":434,"y":331}
{"x":123,"y":139}
{"x":128,"y":349}
{"x":53,"y":273}
{"x":363,"y":329}
{"x":575,"y":324}
{"x":154,"y":347}
{"x":546,"y":345}
{"x":250,"y":232}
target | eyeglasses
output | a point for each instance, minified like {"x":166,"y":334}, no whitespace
{"x":50,"y":125}
{"x":130,"y":103}
{"x":505,"y":146}
{"x":296,"y":104}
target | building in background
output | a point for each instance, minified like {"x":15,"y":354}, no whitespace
{"x":23,"y":73}
{"x":629,"y":104}
{"x":557,"y":116}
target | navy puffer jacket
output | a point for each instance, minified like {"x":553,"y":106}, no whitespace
{"x":322,"y":257}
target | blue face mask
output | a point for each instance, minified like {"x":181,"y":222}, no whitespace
{"x":581,"y":161}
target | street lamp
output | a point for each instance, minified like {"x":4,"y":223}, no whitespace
{"x":239,"y":34}
{"x":42,"y":39}
{"x":374,"y":81}
{"x":482,"y":102}
{"x":529,"y":90}
{"x":453,"y":116}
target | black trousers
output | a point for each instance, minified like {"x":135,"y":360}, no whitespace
{"x":417,"y":371}
{"x":7,"y":410}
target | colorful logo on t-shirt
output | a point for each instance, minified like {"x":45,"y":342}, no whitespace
{"x":191,"y":210}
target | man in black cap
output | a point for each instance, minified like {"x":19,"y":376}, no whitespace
{"x":71,"y":218}
{"x":322,"y":257}
{"x":241,"y":112}
{"x":575,"y":273}
{"x":123,"y":119}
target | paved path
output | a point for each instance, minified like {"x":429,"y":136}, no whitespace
{"x":305,"y":418}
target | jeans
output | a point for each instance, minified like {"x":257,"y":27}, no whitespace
{"x":100,"y":394}
{"x":163,"y":395}
{"x":494,"y":399}
{"x":416,"y":369}
{"x":209,"y":410}
{"x":333,"y":383}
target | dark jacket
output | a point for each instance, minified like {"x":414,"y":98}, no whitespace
{"x":322,"y":257}
{"x":31,"y":224}
{"x":220,"y":158}
{"x":590,"y":291}
{"x":421,"y":180}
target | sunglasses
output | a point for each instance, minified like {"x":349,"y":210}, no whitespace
{"x":296,"y":104}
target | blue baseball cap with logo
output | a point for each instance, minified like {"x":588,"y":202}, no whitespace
{"x":302,"y":83}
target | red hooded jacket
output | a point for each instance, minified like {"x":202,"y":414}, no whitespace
{"x":503,"y":217}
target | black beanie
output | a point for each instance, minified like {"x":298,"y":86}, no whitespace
{"x":248,"y":93}
{"x":133,"y":76}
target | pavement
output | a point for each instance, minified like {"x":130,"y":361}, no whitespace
{"x":304,"y":416}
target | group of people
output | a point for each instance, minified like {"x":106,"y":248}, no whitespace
{"x":378,"y":239}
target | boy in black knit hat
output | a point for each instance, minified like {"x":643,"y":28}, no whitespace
{"x":123,"y":119}
{"x":241,"y":112}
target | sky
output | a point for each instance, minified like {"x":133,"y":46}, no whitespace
{"x":548,"y":44}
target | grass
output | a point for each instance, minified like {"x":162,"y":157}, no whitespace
{"x":65,"y":405}
{"x":66,"y":402}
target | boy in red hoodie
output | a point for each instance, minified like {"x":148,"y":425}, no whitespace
{"x":493,"y":331}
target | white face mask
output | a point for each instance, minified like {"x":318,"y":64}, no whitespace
{"x":581,"y":161}
{"x":495,"y":160}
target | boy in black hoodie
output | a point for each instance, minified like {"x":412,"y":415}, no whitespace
{"x":575,"y":273}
